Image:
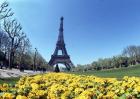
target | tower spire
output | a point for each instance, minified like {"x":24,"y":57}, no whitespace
{"x":61,"y":37}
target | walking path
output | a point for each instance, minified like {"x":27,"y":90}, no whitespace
{"x":5,"y":73}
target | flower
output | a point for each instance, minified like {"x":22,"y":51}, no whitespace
{"x":70,"y":86}
{"x":21,"y":97}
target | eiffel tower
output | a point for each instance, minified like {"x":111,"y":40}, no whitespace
{"x":64,"y":58}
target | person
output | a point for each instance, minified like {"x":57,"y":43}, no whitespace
{"x":57,"y":69}
{"x":17,"y":66}
{"x":22,"y":68}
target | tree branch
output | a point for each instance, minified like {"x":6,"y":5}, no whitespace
{"x":5,"y":11}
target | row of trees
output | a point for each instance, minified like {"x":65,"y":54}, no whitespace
{"x":130,"y":56}
{"x":15,"y":47}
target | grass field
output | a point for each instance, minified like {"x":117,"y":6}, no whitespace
{"x":12,"y":80}
{"x":117,"y":73}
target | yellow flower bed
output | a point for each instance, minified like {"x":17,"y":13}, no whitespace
{"x":70,"y":86}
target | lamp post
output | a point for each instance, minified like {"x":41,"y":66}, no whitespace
{"x":34,"y":66}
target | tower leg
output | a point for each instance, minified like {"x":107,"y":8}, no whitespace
{"x":67,"y":66}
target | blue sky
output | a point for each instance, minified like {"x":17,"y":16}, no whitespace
{"x":92,"y":28}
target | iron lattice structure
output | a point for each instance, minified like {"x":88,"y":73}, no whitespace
{"x":64,"y":58}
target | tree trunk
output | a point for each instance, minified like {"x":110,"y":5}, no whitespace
{"x":11,"y":63}
{"x":11,"y":54}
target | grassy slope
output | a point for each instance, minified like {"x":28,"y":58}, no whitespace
{"x":118,"y":73}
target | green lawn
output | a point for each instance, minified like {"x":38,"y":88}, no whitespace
{"x":11,"y":80}
{"x":117,"y":73}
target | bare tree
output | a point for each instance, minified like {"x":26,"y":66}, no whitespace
{"x":4,"y":41}
{"x":133,"y":52}
{"x":13,"y":29}
{"x":5,"y":11}
{"x":23,"y":48}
